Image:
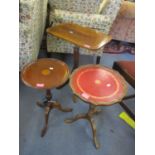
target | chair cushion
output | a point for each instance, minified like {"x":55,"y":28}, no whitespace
{"x":83,"y":6}
{"x":127,"y":69}
{"x":95,"y":21}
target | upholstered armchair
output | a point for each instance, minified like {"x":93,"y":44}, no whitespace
{"x":96,"y":14}
{"x":32,"y":18}
{"x":123,"y":29}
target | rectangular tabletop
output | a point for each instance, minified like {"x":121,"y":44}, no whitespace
{"x":79,"y":35}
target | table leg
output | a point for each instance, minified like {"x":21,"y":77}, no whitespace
{"x":74,"y":98}
{"x":76,"y":57}
{"x":48,"y":95}
{"x":88,"y":116}
{"x":47,"y":111}
{"x":98,"y":59}
{"x":93,"y":126}
{"x":127,"y":109}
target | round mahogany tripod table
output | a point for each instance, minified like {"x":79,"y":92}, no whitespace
{"x":46,"y":74}
{"x":98,"y":86}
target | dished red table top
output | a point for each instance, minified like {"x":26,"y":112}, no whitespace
{"x":98,"y":85}
{"x":45,"y":73}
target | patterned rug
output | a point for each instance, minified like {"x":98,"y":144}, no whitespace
{"x":116,"y":46}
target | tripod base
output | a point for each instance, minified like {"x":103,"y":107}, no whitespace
{"x":48,"y":105}
{"x":88,"y":116}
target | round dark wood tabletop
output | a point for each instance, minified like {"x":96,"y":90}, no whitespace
{"x":45,"y":73}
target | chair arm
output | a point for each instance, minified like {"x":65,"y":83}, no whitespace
{"x":112,"y":9}
{"x":32,"y":15}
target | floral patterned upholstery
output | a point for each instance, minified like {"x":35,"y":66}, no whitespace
{"x":84,"y":13}
{"x":83,"y":6}
{"x":32,"y":17}
{"x":95,"y":21}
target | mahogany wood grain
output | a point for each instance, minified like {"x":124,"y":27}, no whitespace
{"x":79,"y":35}
{"x":45,"y":73}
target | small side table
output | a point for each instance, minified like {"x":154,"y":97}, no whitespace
{"x":81,"y":36}
{"x":46,"y":74}
{"x":98,"y":86}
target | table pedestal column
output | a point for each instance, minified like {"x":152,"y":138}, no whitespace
{"x":48,"y":105}
{"x":76,"y":56}
{"x":88,"y":116}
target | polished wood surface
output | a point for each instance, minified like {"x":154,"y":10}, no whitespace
{"x":45,"y":73}
{"x":81,"y":36}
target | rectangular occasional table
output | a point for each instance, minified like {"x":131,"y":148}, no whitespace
{"x":81,"y":36}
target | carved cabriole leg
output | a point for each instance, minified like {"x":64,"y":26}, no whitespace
{"x":88,"y":116}
{"x":76,"y":57}
{"x":93,"y":126}
{"x":47,"y":111}
{"x":91,"y":112}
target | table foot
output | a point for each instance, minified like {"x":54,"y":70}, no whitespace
{"x":47,"y":111}
{"x":93,"y":126}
